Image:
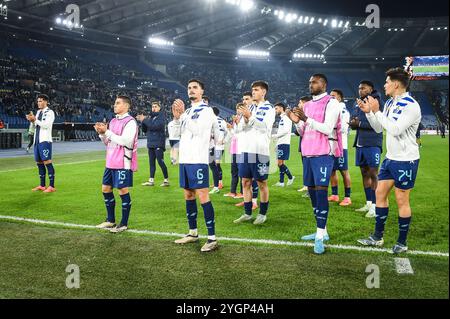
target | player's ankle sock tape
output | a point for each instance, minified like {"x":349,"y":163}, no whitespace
{"x":403,"y":228}
{"x":191,"y":213}
{"x":110,"y":204}
{"x":41,"y":168}
{"x":208,"y":211}
{"x":380,"y":220}
{"x":51,"y":174}
{"x":322,"y":208}
{"x":126,"y":208}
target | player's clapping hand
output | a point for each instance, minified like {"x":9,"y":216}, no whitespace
{"x":245,"y":111}
{"x":298,"y":111}
{"x":101,"y":128}
{"x":294,"y":118}
{"x":177,"y":108}
{"x":363,"y":105}
{"x":373,"y":103}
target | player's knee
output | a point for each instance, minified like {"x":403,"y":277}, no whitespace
{"x":106,"y":189}
{"x":123,"y":191}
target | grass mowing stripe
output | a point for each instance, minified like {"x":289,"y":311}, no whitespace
{"x":246,"y":240}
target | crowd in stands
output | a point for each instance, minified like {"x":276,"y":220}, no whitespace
{"x":83,"y":88}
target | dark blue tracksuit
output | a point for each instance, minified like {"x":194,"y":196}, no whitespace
{"x":155,"y":128}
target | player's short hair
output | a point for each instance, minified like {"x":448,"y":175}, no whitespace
{"x":205,"y":98}
{"x":44,"y":97}
{"x":400,"y":75}
{"x":125,"y":98}
{"x":261,"y":84}
{"x":339,"y":92}
{"x":202,"y":85}
{"x":248,"y":93}
{"x":306,"y":98}
{"x":216,"y":110}
{"x":282,"y":105}
{"x":368,"y":83}
{"x":321,"y":76}
{"x":156,"y":102}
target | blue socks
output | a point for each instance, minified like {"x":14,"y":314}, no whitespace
{"x":284,"y":170}
{"x":41,"y":168}
{"x":403,"y":228}
{"x":374,"y":198}
{"x":348,"y":191}
{"x":281,"y":174}
{"x":263,"y":208}
{"x":313,"y":197}
{"x":255,"y":189}
{"x":208,"y":211}
{"x":110,"y":204}
{"x":126,"y":207}
{"x":248,"y":208}
{"x":380,"y":221}
{"x":322,"y":208}
{"x":368,"y":192}
{"x":191,"y":213}
{"x":51,"y":174}
{"x":334,"y":190}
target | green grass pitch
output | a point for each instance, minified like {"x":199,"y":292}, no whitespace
{"x":128,"y":265}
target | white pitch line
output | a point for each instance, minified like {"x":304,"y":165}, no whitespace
{"x":236,"y":239}
{"x":403,"y":266}
{"x":56,"y":165}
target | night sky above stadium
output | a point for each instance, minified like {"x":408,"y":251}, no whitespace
{"x":388,"y":8}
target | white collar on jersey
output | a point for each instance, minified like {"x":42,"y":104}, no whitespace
{"x":119,"y":117}
{"x":318,"y":97}
{"x":44,"y":109}
{"x":198,"y":103}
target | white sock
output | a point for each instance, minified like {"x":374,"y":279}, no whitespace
{"x":193,"y":232}
{"x":166,"y":179}
{"x":326,"y":232}
{"x":213,"y":237}
{"x":255,"y":200}
{"x":150,"y":180}
{"x":369,"y":203}
{"x":320,"y":233}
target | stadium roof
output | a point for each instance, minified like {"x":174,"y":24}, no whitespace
{"x":223,"y":26}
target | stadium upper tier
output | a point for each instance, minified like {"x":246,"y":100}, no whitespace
{"x":224,"y":28}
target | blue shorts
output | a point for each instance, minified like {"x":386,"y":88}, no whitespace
{"x":43,"y":151}
{"x":341,"y":163}
{"x":255,"y":166}
{"x":283,"y":152}
{"x":317,"y":170}
{"x":403,"y":173}
{"x":118,"y":178}
{"x":368,"y":156}
{"x":194,"y":176}
{"x":174,"y":143}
